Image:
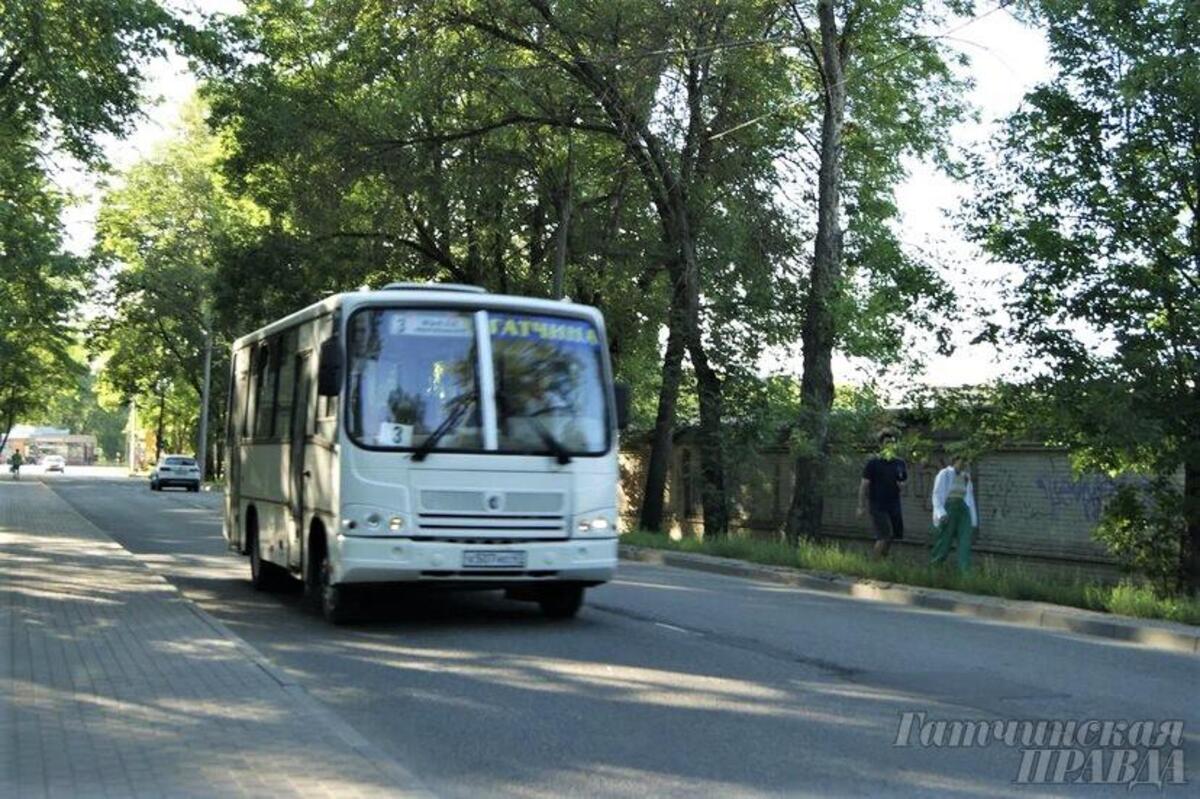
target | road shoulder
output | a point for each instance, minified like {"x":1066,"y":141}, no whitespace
{"x":1169,"y":636}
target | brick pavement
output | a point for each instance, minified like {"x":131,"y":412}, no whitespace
{"x":114,"y":685}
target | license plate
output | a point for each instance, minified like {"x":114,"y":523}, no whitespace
{"x":493,"y":559}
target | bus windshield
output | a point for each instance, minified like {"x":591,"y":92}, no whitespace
{"x":410,"y":372}
{"x":413,"y":376}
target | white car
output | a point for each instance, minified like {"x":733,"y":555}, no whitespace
{"x":175,"y":470}
{"x":54,"y":463}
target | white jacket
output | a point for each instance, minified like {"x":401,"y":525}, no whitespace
{"x":941,"y":490}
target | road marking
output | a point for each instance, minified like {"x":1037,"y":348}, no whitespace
{"x":673,"y":627}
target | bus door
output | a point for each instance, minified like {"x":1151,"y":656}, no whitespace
{"x":235,"y":410}
{"x":298,"y":469}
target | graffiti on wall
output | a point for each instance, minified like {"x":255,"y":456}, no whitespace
{"x":1004,"y":493}
{"x":1086,"y":495}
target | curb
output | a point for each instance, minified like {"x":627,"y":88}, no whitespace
{"x":406,"y":782}
{"x":1164,"y":635}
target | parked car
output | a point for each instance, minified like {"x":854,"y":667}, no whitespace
{"x":54,"y":463}
{"x":175,"y":470}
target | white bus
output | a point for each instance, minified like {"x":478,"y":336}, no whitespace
{"x":430,"y":434}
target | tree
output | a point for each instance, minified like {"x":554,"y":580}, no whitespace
{"x":885,"y":91}
{"x":162,"y":234}
{"x":1095,"y":197}
{"x":39,"y":287}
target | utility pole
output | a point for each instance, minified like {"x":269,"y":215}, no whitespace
{"x":131,"y":438}
{"x":202,"y":445}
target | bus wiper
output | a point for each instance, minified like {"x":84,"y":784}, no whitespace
{"x":561,"y":453}
{"x":556,"y":447}
{"x":449,"y":423}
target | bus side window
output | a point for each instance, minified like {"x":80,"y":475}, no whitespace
{"x":235,"y":403}
{"x":266,"y":375}
{"x":327,"y":407}
{"x":285,"y":383}
{"x":250,"y":399}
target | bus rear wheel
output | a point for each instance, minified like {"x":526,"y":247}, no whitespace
{"x":561,"y":601}
{"x":264,"y":576}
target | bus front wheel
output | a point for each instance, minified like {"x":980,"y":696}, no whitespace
{"x":333,"y":600}
{"x":561,"y":601}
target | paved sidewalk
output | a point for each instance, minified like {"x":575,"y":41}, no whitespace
{"x":114,"y":685}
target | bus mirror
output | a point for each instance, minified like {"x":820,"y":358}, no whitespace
{"x":329,"y":369}
{"x":621,"y":394}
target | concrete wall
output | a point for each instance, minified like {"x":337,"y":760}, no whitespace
{"x":1029,"y":503}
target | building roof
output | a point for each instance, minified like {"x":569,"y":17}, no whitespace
{"x":32,"y":431}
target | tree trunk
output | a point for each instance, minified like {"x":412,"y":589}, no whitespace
{"x":537,"y":235}
{"x":818,"y":333}
{"x":712,"y":464}
{"x":558,"y":287}
{"x":158,"y":436}
{"x":12,"y":417}
{"x":664,"y":423}
{"x":564,"y":226}
{"x":1190,"y":550}
{"x":708,"y":384}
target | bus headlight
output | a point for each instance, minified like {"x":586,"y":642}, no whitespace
{"x":595,"y":525}
{"x":374,"y":520}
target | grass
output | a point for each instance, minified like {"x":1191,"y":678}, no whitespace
{"x":988,"y":578}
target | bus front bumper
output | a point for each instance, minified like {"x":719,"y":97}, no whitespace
{"x":362,"y":559}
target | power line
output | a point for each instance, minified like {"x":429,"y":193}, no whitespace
{"x":944,"y":34}
{"x":870,"y":68}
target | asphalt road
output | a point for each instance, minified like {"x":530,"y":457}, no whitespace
{"x":669,"y":683}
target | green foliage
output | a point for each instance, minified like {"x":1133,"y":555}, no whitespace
{"x":1145,"y":529}
{"x":71,"y":70}
{"x":858,"y":416}
{"x":434,"y":141}
{"x":39,"y":286}
{"x":1096,"y":199}
{"x":406,"y":148}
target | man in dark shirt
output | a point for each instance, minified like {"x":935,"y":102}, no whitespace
{"x":879,"y":493}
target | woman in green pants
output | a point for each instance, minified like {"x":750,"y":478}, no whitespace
{"x":954,"y":516}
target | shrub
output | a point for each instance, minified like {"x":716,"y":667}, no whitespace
{"x":1143,"y":528}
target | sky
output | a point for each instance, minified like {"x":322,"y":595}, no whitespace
{"x":1007,"y":59}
